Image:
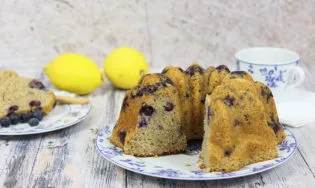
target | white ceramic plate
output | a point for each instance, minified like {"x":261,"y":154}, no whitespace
{"x":60,"y":117}
{"x":185,"y":166}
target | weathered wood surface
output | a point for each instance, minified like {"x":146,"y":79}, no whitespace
{"x":69,"y":158}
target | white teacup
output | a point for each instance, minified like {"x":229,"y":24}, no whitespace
{"x":275,"y":67}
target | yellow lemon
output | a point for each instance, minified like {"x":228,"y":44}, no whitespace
{"x":74,"y":73}
{"x":124,"y":67}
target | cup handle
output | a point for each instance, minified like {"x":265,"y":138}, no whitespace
{"x":299,"y":75}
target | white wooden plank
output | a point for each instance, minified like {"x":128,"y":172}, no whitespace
{"x":17,"y":159}
{"x":306,"y":144}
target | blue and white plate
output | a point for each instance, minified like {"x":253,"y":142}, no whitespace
{"x":60,"y":117}
{"x":185,"y":166}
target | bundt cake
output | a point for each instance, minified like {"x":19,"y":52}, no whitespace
{"x":23,"y":99}
{"x":167,"y":109}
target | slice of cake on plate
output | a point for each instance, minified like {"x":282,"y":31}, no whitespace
{"x":23,"y":99}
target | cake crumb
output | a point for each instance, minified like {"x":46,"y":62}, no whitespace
{"x":187,"y":164}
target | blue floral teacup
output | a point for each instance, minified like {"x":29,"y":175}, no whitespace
{"x":276,"y":67}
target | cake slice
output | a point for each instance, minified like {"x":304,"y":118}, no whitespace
{"x":153,"y":125}
{"x":195,"y":74}
{"x":23,"y":98}
{"x":180,"y":80}
{"x":236,"y":128}
{"x":266,"y":97}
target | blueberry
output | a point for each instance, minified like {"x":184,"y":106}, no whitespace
{"x":38,"y":114}
{"x":187,"y":95}
{"x":151,"y":88}
{"x":241,"y":73}
{"x":15,"y":118}
{"x":276,"y":129}
{"x":147,"y":110}
{"x":269,"y":96}
{"x":169,"y":106}
{"x":227,"y":153}
{"x":193,"y":69}
{"x":274,"y":124}
{"x":33,"y":122}
{"x":147,"y":89}
{"x":35,"y":103}
{"x":169,"y":81}
{"x":223,"y":67}
{"x":5,"y":122}
{"x":25,"y":117}
{"x":228,"y":100}
{"x":36,"y":84}
{"x":12,"y":109}
{"x":122,"y":136}
{"x":140,"y":94}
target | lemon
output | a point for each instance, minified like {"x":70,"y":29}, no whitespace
{"x":74,"y":73}
{"x":124,"y":67}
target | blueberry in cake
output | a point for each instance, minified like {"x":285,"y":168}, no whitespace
{"x":23,"y":99}
{"x":235,"y":116}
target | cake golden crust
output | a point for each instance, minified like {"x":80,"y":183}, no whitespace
{"x":266,"y":97}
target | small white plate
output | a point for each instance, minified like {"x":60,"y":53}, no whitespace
{"x":185,"y":166}
{"x":60,"y":117}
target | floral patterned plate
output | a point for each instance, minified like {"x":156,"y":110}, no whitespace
{"x":60,"y":117}
{"x":185,"y":166}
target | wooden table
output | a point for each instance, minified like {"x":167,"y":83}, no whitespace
{"x":69,"y":158}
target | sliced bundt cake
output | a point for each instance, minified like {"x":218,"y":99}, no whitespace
{"x":166,"y":110}
{"x":22,"y":96}
{"x":236,"y":128}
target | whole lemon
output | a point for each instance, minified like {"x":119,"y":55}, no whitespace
{"x":124,"y":67}
{"x":74,"y":73}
